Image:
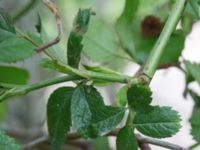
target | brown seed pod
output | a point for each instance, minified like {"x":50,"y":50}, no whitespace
{"x":151,"y":26}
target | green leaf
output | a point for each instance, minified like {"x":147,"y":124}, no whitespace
{"x":80,"y":109}
{"x":125,"y":35}
{"x":6,"y":26}
{"x":123,"y":26}
{"x":59,"y":115}
{"x":172,"y":51}
{"x":193,"y":70}
{"x":122,"y":96}
{"x":7,"y":143}
{"x":130,"y":9}
{"x":99,"y":43}
{"x":101,"y":143}
{"x":160,"y":122}
{"x":195,"y":97}
{"x":90,"y":116}
{"x":2,"y":110}
{"x":6,"y":75}
{"x":55,"y":51}
{"x":126,"y":139}
{"x":195,"y":124}
{"x":74,"y":46}
{"x":139,"y":98}
{"x":106,"y":118}
{"x":15,"y":49}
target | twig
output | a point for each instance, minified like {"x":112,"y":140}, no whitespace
{"x":143,"y":141}
{"x":54,"y":11}
{"x":24,"y":10}
{"x":159,"y":143}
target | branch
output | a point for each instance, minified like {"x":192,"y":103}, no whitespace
{"x":24,"y":10}
{"x":19,"y":90}
{"x":140,"y":139}
{"x":158,"y":49}
{"x":54,"y":11}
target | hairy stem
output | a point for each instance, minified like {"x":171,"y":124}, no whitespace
{"x":24,"y":10}
{"x":158,"y":49}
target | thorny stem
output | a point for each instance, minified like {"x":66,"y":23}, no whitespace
{"x":158,"y":49}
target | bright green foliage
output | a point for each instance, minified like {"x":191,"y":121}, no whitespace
{"x":7,"y":143}
{"x":160,"y":122}
{"x":55,"y":51}
{"x":99,"y":43}
{"x":6,"y":27}
{"x":193,"y":70}
{"x":172,"y":51}
{"x":59,"y":115}
{"x":12,"y":47}
{"x":130,"y":9}
{"x":13,"y":75}
{"x":15,"y":49}
{"x":126,"y":139}
{"x":90,"y":116}
{"x":195,"y":124}
{"x":74,"y":46}
{"x":123,"y":26}
{"x":122,"y":96}
{"x":139,"y":98}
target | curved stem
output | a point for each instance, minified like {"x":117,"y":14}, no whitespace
{"x":24,"y":10}
{"x":158,"y":49}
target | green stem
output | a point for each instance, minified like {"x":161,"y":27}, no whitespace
{"x":50,"y":82}
{"x":158,"y":49}
{"x":194,"y":146}
{"x":24,"y":10}
{"x":16,"y":90}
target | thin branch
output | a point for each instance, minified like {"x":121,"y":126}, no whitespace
{"x":54,"y":11}
{"x":159,"y":143}
{"x":24,"y":10}
{"x":143,"y":141}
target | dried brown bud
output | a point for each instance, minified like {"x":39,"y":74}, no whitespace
{"x":151,"y":26}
